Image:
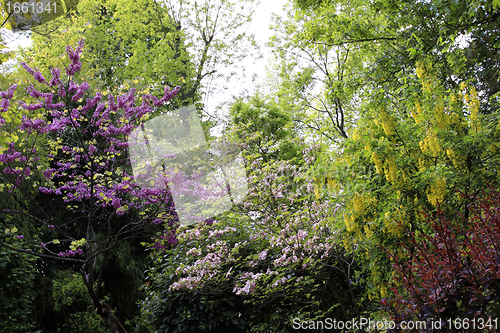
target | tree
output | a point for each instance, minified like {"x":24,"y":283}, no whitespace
{"x":335,"y":54}
{"x":405,"y":158}
{"x":264,"y":129}
{"x":323,"y":73}
{"x":149,"y":44}
{"x":74,"y":155}
{"x":403,"y":141}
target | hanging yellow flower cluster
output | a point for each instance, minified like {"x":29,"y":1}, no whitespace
{"x":420,"y":70}
{"x":417,"y":115}
{"x":350,"y":223}
{"x":441,"y":118}
{"x":358,"y":203}
{"x":436,"y":191}
{"x":424,"y":73}
{"x":368,"y":232}
{"x":360,"y":215}
{"x":430,"y":144}
{"x":378,"y":163}
{"x":395,"y":222}
{"x":473,"y":103}
{"x":387,"y":123}
{"x":332,"y":186}
{"x":391,"y":172}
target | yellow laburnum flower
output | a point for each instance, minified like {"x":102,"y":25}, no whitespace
{"x":378,"y":163}
{"x":387,"y":123}
{"x":417,"y":114}
{"x":393,"y":229}
{"x":368,"y":232}
{"x":317,"y":192}
{"x":442,"y":119}
{"x":350,"y":224}
{"x":391,"y":172}
{"x":359,"y":203}
{"x":347,"y":244}
{"x":474,"y":108}
{"x":433,"y":143}
{"x":331,"y":184}
{"x":420,"y":70}
{"x":424,"y":146}
{"x":383,"y":291}
{"x":437,"y":191}
{"x":355,"y":135}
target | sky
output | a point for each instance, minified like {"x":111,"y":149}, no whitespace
{"x":260,"y":28}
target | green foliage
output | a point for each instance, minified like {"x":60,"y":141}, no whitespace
{"x":264,"y":128}
{"x":17,"y":290}
{"x":129,"y":44}
{"x":334,"y":55}
{"x":148,"y":44}
{"x":72,"y":303}
{"x":271,"y":259}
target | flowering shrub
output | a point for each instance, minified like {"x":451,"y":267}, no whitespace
{"x":273,"y":258}
{"x":455,"y":272}
{"x":68,"y":168}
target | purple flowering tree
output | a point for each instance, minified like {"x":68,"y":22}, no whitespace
{"x":73,"y":150}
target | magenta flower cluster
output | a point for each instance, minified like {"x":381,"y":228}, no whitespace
{"x":70,"y":253}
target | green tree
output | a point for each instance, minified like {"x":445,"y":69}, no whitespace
{"x":264,"y":129}
{"x":405,"y":158}
{"x":149,"y":44}
{"x":17,"y":289}
{"x":335,"y":54}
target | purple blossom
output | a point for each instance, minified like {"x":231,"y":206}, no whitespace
{"x":74,"y":56}
{"x":36,"y":74}
{"x":48,"y":173}
{"x":56,"y":72}
{"x":70,"y":253}
{"x":9,"y":93}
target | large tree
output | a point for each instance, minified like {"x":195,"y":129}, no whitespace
{"x":70,"y":180}
{"x":148,"y":44}
{"x":335,"y":54}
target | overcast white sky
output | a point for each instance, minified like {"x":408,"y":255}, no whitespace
{"x":260,"y":28}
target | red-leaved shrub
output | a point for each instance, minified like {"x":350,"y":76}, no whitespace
{"x":454,"y":272}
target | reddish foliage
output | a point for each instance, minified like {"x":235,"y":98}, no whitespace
{"x":455,"y":272}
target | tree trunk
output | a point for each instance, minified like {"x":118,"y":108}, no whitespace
{"x":110,"y":320}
